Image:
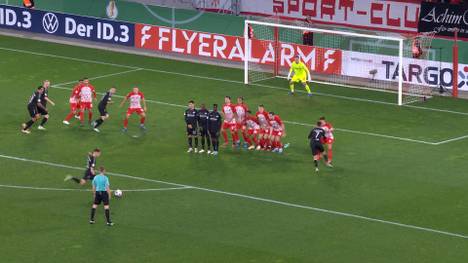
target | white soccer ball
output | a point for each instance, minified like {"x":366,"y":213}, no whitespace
{"x":118,"y":193}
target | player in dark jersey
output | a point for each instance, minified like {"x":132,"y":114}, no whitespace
{"x":33,"y":105}
{"x":44,"y":99}
{"x":215,"y":121}
{"x":90,"y":168}
{"x":316,"y":137}
{"x":102,"y":107}
{"x":191,"y":116}
{"x":203,"y":119}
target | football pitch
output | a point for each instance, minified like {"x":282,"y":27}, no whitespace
{"x":397,"y":193}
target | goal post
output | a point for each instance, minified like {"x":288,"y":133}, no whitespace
{"x":377,"y":63}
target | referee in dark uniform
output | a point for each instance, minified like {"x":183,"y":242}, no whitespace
{"x":214,"y":127}
{"x":90,"y":168}
{"x":102,"y":107}
{"x":33,"y":105}
{"x":316,"y":137}
{"x":203,"y":120}
{"x":101,"y":194}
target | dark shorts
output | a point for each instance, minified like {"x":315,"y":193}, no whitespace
{"x":101,"y":197}
{"x":32,"y":111}
{"x":88,"y":176}
{"x":192,"y":131}
{"x":317,"y":148}
{"x":42,"y":111}
{"x":213,"y":133}
{"x":102,"y":111}
{"x":203,"y":131}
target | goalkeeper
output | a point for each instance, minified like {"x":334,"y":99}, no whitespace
{"x":300,"y":73}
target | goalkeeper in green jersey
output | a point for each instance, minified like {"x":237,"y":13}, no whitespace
{"x":299,"y":73}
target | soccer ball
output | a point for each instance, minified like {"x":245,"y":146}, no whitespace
{"x":118,"y":193}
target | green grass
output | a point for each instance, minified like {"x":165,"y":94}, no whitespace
{"x":407,"y":182}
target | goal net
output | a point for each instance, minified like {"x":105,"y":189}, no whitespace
{"x":340,"y":58}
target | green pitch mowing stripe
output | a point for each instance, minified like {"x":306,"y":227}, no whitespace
{"x":182,"y":186}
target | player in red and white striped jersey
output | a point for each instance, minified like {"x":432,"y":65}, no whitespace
{"x":264,"y":122}
{"x":251,"y":129}
{"x":229,"y":115}
{"x":241,"y":114}
{"x":277,"y":131}
{"x":87,"y":94}
{"x":74,"y":103}
{"x":135,"y":98}
{"x":329,"y":138}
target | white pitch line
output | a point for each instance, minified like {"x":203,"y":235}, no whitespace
{"x":260,"y":199}
{"x":225,"y":80}
{"x":452,"y":140}
{"x":290,"y":122}
{"x":100,"y":77}
{"x":24,"y":187}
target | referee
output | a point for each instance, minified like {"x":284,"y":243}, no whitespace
{"x":101,"y":194}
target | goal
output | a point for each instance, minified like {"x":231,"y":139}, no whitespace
{"x":339,"y":58}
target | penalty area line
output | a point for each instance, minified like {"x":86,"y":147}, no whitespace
{"x":261,"y":199}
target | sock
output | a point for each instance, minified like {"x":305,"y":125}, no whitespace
{"x":202,"y":142}
{"x":225,"y":136}
{"x":291,"y":87}
{"x":316,"y":163}
{"x":246,"y":138}
{"x":307,"y":88}
{"x":125,"y":123}
{"x":81,"y":116}
{"x":76,"y":180}
{"x":215,"y":144}
{"x":90,"y":116}
{"x":262,"y":142}
{"x":255,"y":140}
{"x":330,"y":155}
{"x":93,"y":212}
{"x":142,"y":120}
{"x":28,"y":124}
{"x":107,"y":211}
{"x":98,"y":123}
{"x":190,"y":142}
{"x":325,"y":157}
{"x":235,"y":137}
{"x":279,"y":144}
{"x":208,"y":142}
{"x":69,"y":116}
{"x":44,"y":120}
{"x":196,"y":142}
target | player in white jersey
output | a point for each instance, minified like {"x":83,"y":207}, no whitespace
{"x":86,"y":95}
{"x":241,"y":115}
{"x":229,"y":116}
{"x":135,"y":98}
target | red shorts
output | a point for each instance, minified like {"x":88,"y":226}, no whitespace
{"x":329,"y":140}
{"x":74,"y":106}
{"x":264,"y":131}
{"x":252,"y":131}
{"x":138,"y":111}
{"x":239,"y":126}
{"x":229,"y":125}
{"x":86,"y":105}
{"x":277,"y":133}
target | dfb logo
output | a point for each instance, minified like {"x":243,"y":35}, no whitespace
{"x":50,"y":23}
